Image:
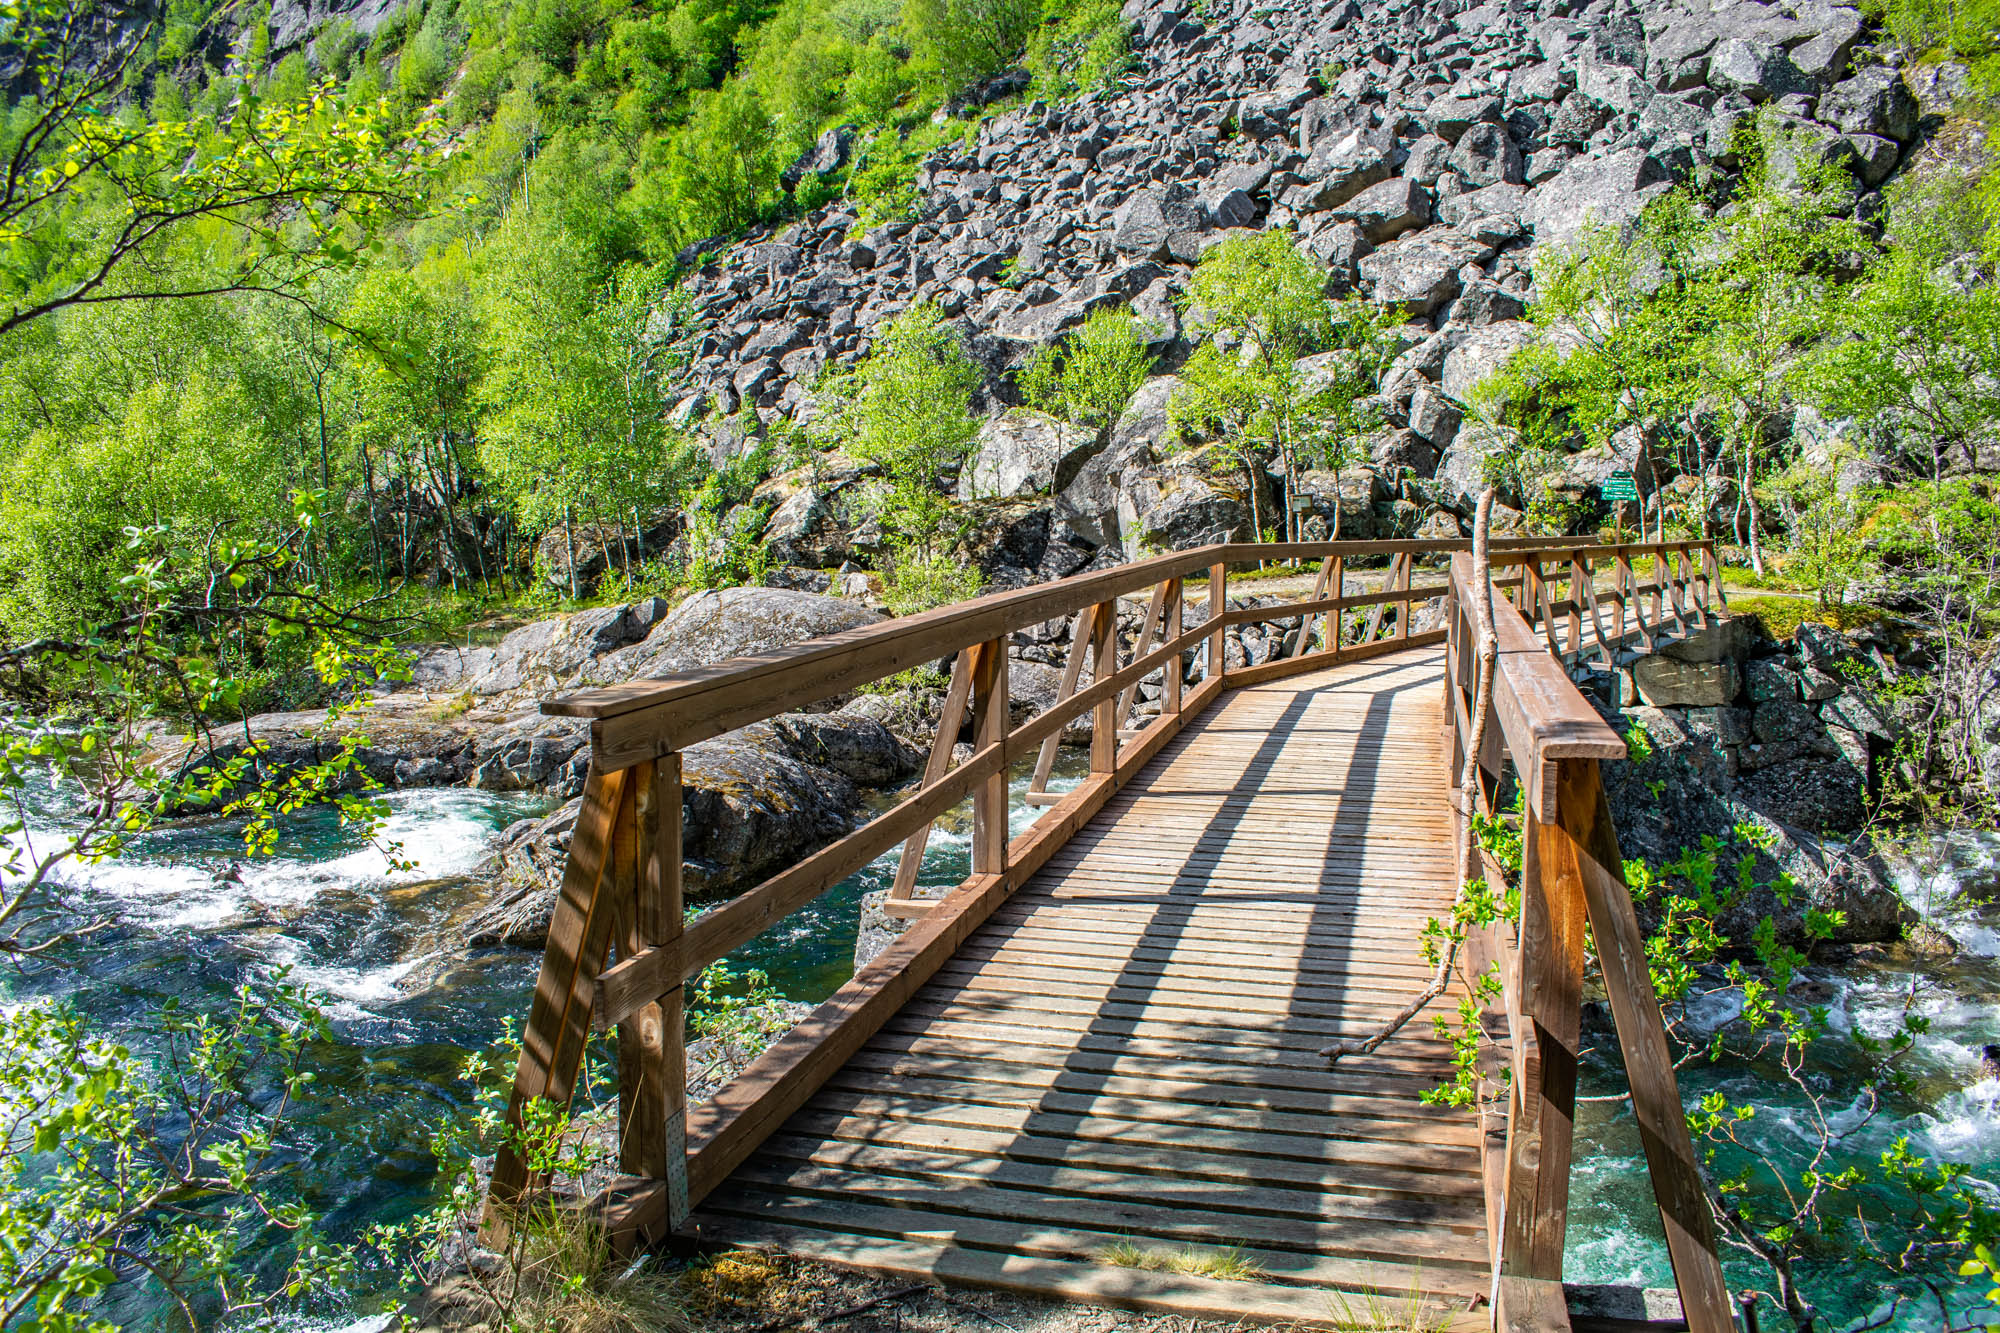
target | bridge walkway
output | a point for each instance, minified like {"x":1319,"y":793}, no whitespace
{"x":1124,"y":1062}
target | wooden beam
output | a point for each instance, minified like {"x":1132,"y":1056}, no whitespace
{"x":552,"y":1042}
{"x":1642,"y":1038}
{"x":1529,"y":1305}
{"x":951,"y":719}
{"x":1079,"y":646}
{"x":1103,"y":664}
{"x":989,"y":730}
{"x":1551,"y":996}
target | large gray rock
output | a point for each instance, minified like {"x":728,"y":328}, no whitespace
{"x":1342,"y":165}
{"x":550,"y":654}
{"x":1760,"y":71}
{"x":1487,"y":155}
{"x":1023,"y":453}
{"x":1608,"y":191}
{"x":1386,"y":210}
{"x":1158,"y":225}
{"x":1665,"y":683}
{"x":1875,"y":101}
{"x":1477,"y":353}
{"x":1174,"y":507}
{"x":712,"y":627}
{"x":827,"y":155}
{"x":1420,"y":272}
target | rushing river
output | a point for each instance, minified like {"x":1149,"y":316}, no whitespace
{"x":191,"y":918}
{"x":1953,"y":1112}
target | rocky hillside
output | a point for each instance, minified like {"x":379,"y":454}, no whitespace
{"x":1422,"y":151}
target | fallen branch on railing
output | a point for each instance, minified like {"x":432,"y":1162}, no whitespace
{"x":1487,"y":650}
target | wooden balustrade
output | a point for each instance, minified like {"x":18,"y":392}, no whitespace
{"x":619,"y":954}
{"x":1571,"y":874}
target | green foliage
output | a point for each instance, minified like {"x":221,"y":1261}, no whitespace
{"x":918,"y":582}
{"x":1967,"y":30}
{"x":1084,"y":51}
{"x":1089,"y":378}
{"x":161,"y":1166}
{"x":1267,"y":306}
{"x":1684,"y":336}
{"x":908,"y":407}
{"x":959,"y":42}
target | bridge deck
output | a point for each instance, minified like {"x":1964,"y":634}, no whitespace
{"x":1125,"y":1057}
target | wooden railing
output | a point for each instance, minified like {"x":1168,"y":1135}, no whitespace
{"x":620,"y":949}
{"x":1571,"y":873}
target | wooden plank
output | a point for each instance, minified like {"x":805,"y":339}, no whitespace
{"x":1173,"y":673}
{"x":1218,"y":611}
{"x":726,"y":1130}
{"x":1529,"y":1305}
{"x":1551,"y":995}
{"x":1103,"y":665}
{"x":1656,"y":1099}
{"x":1278,"y":670}
{"x":1058,"y":1237}
{"x":552,"y":1042}
{"x":989,"y":730}
{"x":1088,"y":1282}
{"x":1079,"y":645}
{"x":951,"y":720}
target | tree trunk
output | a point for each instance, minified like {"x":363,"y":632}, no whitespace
{"x":569,"y":542}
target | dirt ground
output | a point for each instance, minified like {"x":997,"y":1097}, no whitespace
{"x":745,"y":1292}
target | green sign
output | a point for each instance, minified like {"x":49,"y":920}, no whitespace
{"x":1619,"y":486}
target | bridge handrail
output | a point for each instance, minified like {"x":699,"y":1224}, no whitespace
{"x":622,"y":896}
{"x":1571,"y":873}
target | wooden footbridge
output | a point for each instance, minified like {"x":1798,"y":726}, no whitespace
{"x":1095,"y":1069}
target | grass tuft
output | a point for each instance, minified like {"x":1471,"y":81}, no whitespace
{"x":1225,"y":1265}
{"x":1375,"y":1311}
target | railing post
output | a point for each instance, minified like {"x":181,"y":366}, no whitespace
{"x":552,"y":1042}
{"x":1103,"y":663}
{"x":1544,"y":1096}
{"x":1578,"y":572}
{"x":1714,"y":572}
{"x":1336,"y":588}
{"x":1170,"y":673}
{"x":652,"y":1052}
{"x":1218,"y":602}
{"x":989,"y":729}
{"x":950,"y":719}
{"x":1589,"y":848}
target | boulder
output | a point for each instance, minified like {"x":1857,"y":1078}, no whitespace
{"x":1174,"y":507}
{"x":1386,"y":209}
{"x":1875,"y":101}
{"x":1420,"y":272}
{"x":1665,"y":683}
{"x":1158,"y":225}
{"x":715,"y":626}
{"x":1486,"y":155}
{"x":1594,"y":191}
{"x":1479,"y":352}
{"x":1760,"y":71}
{"x":1023,"y":453}
{"x":1821,"y":796}
{"x":1342,"y":165}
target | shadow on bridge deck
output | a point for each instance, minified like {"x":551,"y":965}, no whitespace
{"x":1125,"y":1057}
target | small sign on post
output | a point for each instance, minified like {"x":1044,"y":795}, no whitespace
{"x":1616,"y":489}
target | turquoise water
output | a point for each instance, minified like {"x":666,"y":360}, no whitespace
{"x":408,"y":1002}
{"x":1952,"y":1112}
{"x":191,"y":918}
